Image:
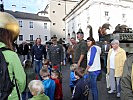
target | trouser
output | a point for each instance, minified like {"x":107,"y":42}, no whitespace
{"x":93,"y":85}
{"x":114,"y":85}
{"x":22,"y":58}
{"x":38,"y":67}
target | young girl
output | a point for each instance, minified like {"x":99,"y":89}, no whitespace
{"x":30,"y":75}
{"x":49,"y":84}
{"x":37,"y":90}
{"x":55,"y":75}
{"x":81,"y":89}
{"x":72,"y":77}
{"x":47,"y":65}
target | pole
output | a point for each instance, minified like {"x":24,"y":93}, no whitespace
{"x":1,"y":6}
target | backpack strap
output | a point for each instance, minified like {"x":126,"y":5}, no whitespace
{"x":4,"y":49}
{"x":19,"y":97}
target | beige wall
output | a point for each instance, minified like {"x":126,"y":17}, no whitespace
{"x":60,"y":11}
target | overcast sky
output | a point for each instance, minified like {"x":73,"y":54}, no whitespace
{"x":32,"y":6}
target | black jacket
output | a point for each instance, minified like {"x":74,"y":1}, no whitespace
{"x":23,"y":49}
{"x":81,"y":90}
{"x":38,"y":52}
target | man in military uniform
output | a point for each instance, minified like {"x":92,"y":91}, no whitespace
{"x":80,"y":54}
{"x":55,"y":53}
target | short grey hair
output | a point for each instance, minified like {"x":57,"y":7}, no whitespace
{"x":115,"y":42}
{"x":36,"y":87}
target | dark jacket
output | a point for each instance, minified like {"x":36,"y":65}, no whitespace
{"x":105,"y":52}
{"x":81,"y":48}
{"x":126,"y":80}
{"x":55,"y":54}
{"x":81,"y":90}
{"x":38,"y":52}
{"x":30,"y":75}
{"x":23,"y":49}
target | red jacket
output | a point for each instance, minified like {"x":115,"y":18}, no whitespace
{"x":58,"y":90}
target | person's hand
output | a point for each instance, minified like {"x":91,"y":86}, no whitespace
{"x":50,"y":63}
{"x":86,"y":70}
{"x":78,"y":64}
{"x":32,"y":62}
{"x":61,"y":63}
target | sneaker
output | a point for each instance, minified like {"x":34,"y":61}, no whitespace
{"x":118,"y":95}
{"x":111,"y":91}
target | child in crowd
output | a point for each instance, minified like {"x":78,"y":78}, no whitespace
{"x":72,"y":77}
{"x":30,"y":75}
{"x":37,"y":90}
{"x":82,"y":87}
{"x":47,"y":65}
{"x":49,"y":84}
{"x":55,"y":75}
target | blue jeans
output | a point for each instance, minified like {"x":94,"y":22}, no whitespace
{"x":93,"y":85}
{"x":38,"y":67}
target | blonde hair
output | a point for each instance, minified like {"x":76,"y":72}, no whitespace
{"x":36,"y":87}
{"x":73,"y":67}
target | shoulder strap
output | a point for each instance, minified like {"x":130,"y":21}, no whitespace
{"x":19,"y":97}
{"x":4,"y":49}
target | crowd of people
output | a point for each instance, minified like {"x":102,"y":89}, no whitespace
{"x":38,"y":74}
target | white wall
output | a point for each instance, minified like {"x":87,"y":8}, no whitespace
{"x":37,"y":30}
{"x":93,"y":13}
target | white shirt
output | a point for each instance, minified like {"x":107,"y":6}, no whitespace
{"x":105,"y":46}
{"x":112,"y":59}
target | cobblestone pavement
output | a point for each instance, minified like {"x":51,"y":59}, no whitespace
{"x":103,"y":95}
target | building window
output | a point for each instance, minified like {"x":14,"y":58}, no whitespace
{"x":123,"y":16}
{"x":20,"y":37}
{"x":45,"y":25}
{"x":59,"y":3}
{"x":31,"y":24}
{"x":46,"y":38}
{"x":31,"y":37}
{"x":53,"y":11}
{"x":106,"y":13}
{"x":20,"y":24}
{"x":53,"y":23}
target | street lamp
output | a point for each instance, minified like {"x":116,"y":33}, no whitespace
{"x":1,"y":6}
